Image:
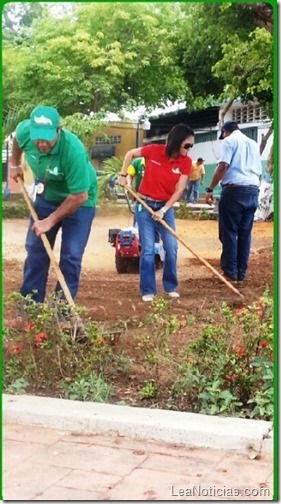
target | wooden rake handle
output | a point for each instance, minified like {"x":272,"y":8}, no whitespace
{"x":48,"y":248}
{"x":208,"y":265}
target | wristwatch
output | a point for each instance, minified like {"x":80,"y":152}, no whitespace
{"x":208,"y":190}
{"x":163,"y":210}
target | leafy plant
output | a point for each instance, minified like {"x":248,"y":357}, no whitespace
{"x":154,"y":346}
{"x":216,"y":401}
{"x":148,"y":391}
{"x":17,"y":387}
{"x":42,"y":350}
{"x":106,"y":180}
{"x":226,"y":369}
{"x":90,"y":388}
{"x":229,"y":369}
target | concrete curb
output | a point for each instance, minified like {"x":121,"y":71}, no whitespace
{"x":190,"y":429}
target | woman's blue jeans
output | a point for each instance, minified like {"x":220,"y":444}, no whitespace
{"x":75,"y":231}
{"x":147,"y":230}
{"x":237,"y":206}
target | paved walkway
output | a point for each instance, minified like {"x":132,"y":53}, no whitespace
{"x":47,"y":464}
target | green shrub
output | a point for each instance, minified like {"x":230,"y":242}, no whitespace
{"x":14,"y":209}
{"x":225,"y":369}
{"x":229,"y":369}
{"x":88,"y":388}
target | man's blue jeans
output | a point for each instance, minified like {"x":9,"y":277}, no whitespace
{"x":237,"y":206}
{"x":147,"y":229}
{"x":75,"y":233}
{"x":192,"y":187}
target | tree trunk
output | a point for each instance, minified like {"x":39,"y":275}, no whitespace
{"x":269,"y":162}
{"x":265,"y":137}
{"x":223,"y":111}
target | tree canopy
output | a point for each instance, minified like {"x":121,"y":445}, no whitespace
{"x":102,"y":58}
{"x":107,"y":56}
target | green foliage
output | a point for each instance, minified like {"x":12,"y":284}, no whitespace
{"x":13,"y":117}
{"x":42,"y":351}
{"x":18,"y":386}
{"x":229,"y":369}
{"x":111,"y":168}
{"x":148,"y":391}
{"x":155,"y":345}
{"x":149,"y":73}
{"x":216,"y":401}
{"x":91,"y":388}
{"x":78,"y":65}
{"x":103,"y":58}
{"x":121,"y":363}
{"x":18,"y":18}
{"x":184,"y":211}
{"x":205,"y":26}
{"x":85,"y":127}
{"x":246,"y":67}
{"x":225,"y":368}
{"x":12,"y":209}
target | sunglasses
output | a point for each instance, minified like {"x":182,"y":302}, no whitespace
{"x":188,"y":146}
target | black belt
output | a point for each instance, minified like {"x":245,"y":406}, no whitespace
{"x":148,"y":198}
{"x":239,"y":185}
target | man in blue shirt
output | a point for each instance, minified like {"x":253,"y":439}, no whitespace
{"x":239,"y":172}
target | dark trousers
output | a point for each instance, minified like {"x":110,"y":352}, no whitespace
{"x":237,"y":206}
{"x":75,"y":231}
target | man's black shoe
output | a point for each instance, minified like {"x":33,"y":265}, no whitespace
{"x":229,"y":279}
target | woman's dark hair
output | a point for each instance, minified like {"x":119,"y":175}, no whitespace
{"x":175,"y":138}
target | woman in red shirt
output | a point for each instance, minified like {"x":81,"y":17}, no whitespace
{"x":165,"y":176}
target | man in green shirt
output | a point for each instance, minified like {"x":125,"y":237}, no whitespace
{"x":65,"y":191}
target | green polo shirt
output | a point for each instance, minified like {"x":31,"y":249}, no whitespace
{"x":65,"y":169}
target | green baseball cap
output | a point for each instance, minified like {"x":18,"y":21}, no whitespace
{"x":44,"y":122}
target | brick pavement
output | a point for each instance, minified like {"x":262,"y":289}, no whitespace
{"x":48,"y":464}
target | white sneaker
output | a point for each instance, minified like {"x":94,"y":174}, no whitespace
{"x":173,"y":294}
{"x":147,"y":298}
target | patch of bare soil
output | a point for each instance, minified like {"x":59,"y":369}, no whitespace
{"x":112,"y":297}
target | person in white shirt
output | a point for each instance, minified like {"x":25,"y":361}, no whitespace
{"x":239,"y":172}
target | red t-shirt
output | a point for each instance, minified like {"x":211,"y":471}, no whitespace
{"x":161,"y":174}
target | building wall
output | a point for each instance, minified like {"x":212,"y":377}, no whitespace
{"x":210,"y":151}
{"x":122,"y":135}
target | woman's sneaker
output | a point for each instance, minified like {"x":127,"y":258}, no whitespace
{"x":147,"y":298}
{"x":173,"y":294}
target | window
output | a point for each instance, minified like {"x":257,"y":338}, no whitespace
{"x":251,"y":133}
{"x":206,"y":137}
{"x":103,"y":140}
{"x":249,"y":113}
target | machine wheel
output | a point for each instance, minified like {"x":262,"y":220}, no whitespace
{"x":121,"y":264}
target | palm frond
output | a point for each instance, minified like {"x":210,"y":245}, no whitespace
{"x":111,"y":167}
{"x":13,"y":117}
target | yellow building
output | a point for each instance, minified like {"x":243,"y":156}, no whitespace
{"x":117,"y":138}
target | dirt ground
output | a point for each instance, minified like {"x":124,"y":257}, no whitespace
{"x":113,"y":302}
{"x":109,"y":296}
